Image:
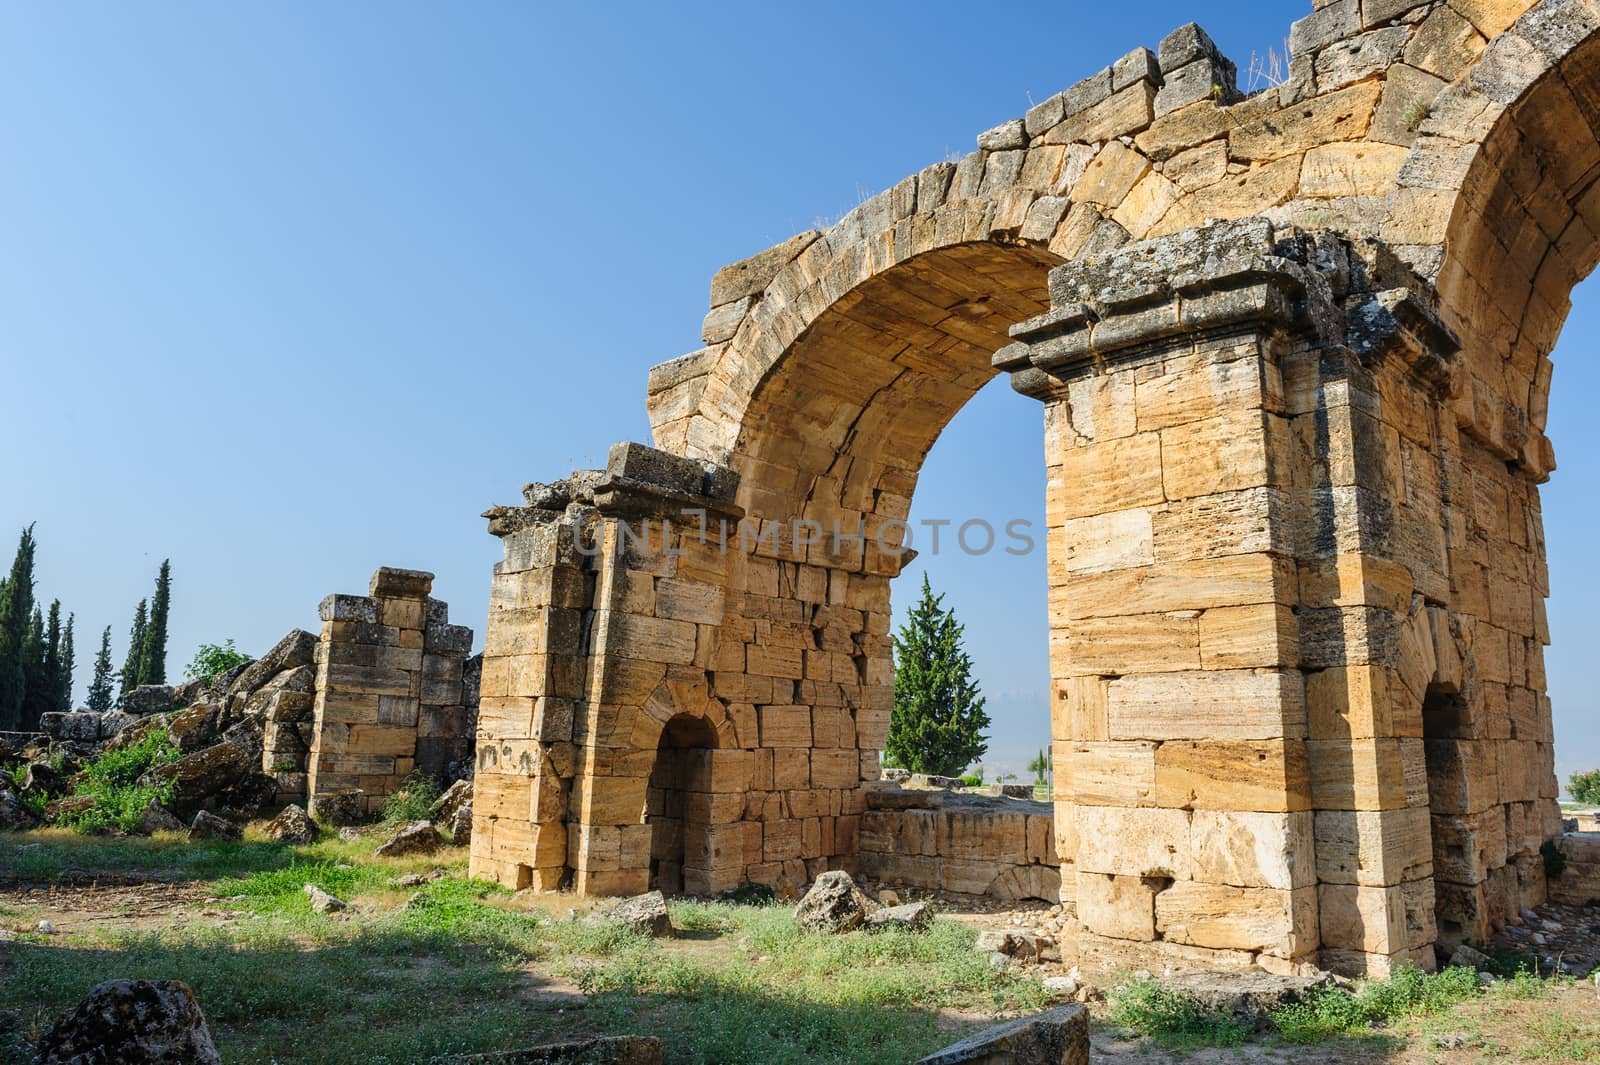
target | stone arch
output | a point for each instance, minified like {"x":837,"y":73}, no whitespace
{"x":1292,"y":474}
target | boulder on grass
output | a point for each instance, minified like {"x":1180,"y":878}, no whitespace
{"x":292,"y":826}
{"x":338,"y":808}
{"x":912,"y":917}
{"x":157,"y":818}
{"x":646,"y":914}
{"x":417,"y":837}
{"x":207,"y":825}
{"x":72,"y":804}
{"x":1249,"y":998}
{"x":322,"y":902}
{"x":1057,"y":1037}
{"x":834,"y":904}
{"x":137,"y":1022}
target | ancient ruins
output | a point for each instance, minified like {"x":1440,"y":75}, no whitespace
{"x":1291,"y":350}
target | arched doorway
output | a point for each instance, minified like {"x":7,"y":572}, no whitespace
{"x":677,"y":806}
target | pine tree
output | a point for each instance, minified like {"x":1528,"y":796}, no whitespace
{"x":16,"y":604}
{"x":35,"y":690}
{"x":130,"y":667}
{"x":153,"y":654}
{"x":100,"y":696}
{"x":938,"y":718}
{"x":68,"y":663}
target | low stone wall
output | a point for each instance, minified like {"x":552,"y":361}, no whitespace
{"x":950,"y":841}
{"x":1579,"y":882}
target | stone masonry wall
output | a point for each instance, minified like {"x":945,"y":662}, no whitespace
{"x":389,"y":689}
{"x":975,"y":845}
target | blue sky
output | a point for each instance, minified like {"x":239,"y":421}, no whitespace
{"x":292,"y":291}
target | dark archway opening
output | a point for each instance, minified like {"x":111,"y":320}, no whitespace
{"x":676,"y":820}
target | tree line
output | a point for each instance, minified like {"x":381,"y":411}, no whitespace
{"x":37,"y":657}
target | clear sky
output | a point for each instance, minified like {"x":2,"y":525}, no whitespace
{"x":291,"y":291}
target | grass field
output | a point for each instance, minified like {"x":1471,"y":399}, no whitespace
{"x":457,"y":965}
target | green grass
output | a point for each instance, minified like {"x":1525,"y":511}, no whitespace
{"x":1172,"y":1018}
{"x":455,"y":966}
{"x":412,"y":800}
{"x":1334,"y":1011}
{"x":112,"y":779}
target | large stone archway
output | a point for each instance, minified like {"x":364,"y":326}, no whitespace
{"x":1292,"y":351}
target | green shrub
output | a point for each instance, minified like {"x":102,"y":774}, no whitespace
{"x":212,"y":659}
{"x":113,"y":780}
{"x":1585,"y":787}
{"x":411,"y":802}
{"x":1169,"y":1016}
{"x":972,"y":780}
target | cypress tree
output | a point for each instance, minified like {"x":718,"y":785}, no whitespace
{"x":16,"y":604}
{"x":130,"y":667}
{"x":153,"y":656}
{"x":47,"y":696}
{"x":35,"y":688}
{"x":100,"y":696}
{"x":67,"y":665}
{"x":938,"y":719}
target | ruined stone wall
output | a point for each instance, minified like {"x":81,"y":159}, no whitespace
{"x":388,"y":690}
{"x":974,"y":845}
{"x":1296,"y":564}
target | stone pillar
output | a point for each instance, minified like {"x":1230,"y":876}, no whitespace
{"x":388,"y":688}
{"x":1219,"y":605}
{"x":602,"y":629}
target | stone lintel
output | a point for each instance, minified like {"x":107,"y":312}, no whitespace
{"x":1401,"y":323}
{"x":397,"y":583}
{"x":628,"y":497}
{"x":347,"y":608}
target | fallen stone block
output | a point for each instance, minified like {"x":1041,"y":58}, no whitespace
{"x":645,"y":913}
{"x":912,"y":917}
{"x":132,"y":1021}
{"x":157,"y":818}
{"x":148,"y":699}
{"x":292,"y":826}
{"x":834,"y":904}
{"x":1249,"y":998}
{"x":1055,"y":1037}
{"x":416,"y":837}
{"x":14,"y":815}
{"x":322,"y":902}
{"x":337,"y":808}
{"x":207,"y":825}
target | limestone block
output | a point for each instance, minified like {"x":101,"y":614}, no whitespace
{"x":1193,"y":585}
{"x":1466,"y":848}
{"x":1373,"y":848}
{"x":1114,"y":774}
{"x":1121,"y":907}
{"x":1136,"y":643}
{"x":1219,"y":704}
{"x":1357,"y":774}
{"x":1370,"y":919}
{"x":1264,"y":775}
{"x":1115,"y":475}
{"x":1132,"y":842}
{"x":785,"y":726}
{"x":1116,"y":540}
{"x":1278,"y":922}
{"x":1253,"y":849}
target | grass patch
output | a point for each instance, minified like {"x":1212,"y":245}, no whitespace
{"x":1171,"y":1017}
{"x":112,"y":779}
{"x":1335,"y":1011}
{"x":412,"y":800}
